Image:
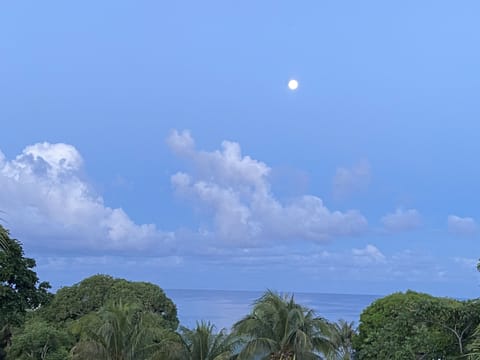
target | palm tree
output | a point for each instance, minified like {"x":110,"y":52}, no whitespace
{"x":280,"y":329}
{"x":126,"y":333}
{"x":202,"y":343}
{"x":474,"y":347}
{"x":340,"y":335}
{"x":4,"y":238}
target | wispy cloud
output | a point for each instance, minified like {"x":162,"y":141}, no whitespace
{"x":369,"y":254}
{"x":402,"y":220}
{"x":461,"y":226}
{"x":468,"y":263}
{"x":349,"y":180}
{"x":363,"y":262}
{"x":234,"y":188}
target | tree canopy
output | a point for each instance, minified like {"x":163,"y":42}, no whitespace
{"x":91,"y":294}
{"x":124,"y":332}
{"x":202,"y":343}
{"x":340,"y":336}
{"x":413,"y":325}
{"x":280,"y":328}
{"x":39,"y":339}
{"x":20,"y":289}
{"x":102,"y":317}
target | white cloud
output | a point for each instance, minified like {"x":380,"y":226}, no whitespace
{"x":367,"y":262}
{"x":181,"y":143}
{"x":64,"y":262}
{"x":402,"y":220}
{"x":465,"y":226}
{"x":468,"y":263}
{"x":369,"y":254}
{"x":349,"y":180}
{"x":48,"y":204}
{"x":236,"y":190}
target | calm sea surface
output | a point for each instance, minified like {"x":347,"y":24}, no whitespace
{"x":224,"y":308}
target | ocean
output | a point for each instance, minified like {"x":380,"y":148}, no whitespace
{"x":223,"y":308}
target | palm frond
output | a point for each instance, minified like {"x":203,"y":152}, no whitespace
{"x":278,"y":327}
{"x":4,"y":238}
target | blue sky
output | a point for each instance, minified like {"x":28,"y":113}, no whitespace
{"x":159,"y":141}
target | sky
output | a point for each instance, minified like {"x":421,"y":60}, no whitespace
{"x":159,"y":141}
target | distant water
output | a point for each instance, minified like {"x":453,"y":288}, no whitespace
{"x":223,"y":308}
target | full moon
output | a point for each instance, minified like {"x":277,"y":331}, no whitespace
{"x":293,"y":84}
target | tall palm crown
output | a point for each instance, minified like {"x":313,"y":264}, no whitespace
{"x":202,"y":343}
{"x":125,"y":333}
{"x":3,"y":235}
{"x":474,"y":347}
{"x":280,"y":329}
{"x":3,"y":238}
{"x":341,"y":335}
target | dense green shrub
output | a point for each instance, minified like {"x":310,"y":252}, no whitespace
{"x":413,"y":325}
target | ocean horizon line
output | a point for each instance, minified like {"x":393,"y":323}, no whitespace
{"x":279,"y":291}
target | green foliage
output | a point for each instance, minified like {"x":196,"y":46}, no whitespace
{"x":19,"y":285}
{"x":279,"y":328}
{"x":149,"y":296}
{"x":412,"y":325}
{"x":126,"y":332}
{"x":113,"y":319}
{"x":39,"y":340}
{"x":90,"y":295}
{"x":5,"y":336}
{"x":20,"y":289}
{"x":202,"y":343}
{"x":73,"y":302}
{"x":3,"y":238}
{"x":340,"y":336}
{"x":473,"y":348}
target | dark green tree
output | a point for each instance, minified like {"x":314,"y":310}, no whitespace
{"x":473,"y":348}
{"x":39,"y":340}
{"x":73,"y":302}
{"x":458,"y":319}
{"x":413,"y":326}
{"x":91,"y":294}
{"x":149,"y":296}
{"x":20,"y":289}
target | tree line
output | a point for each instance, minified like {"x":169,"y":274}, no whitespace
{"x":106,"y":318}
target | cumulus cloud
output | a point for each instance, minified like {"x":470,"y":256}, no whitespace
{"x":402,"y":220}
{"x":349,"y":180}
{"x":462,"y":226}
{"x":47,"y":203}
{"x":235,"y":189}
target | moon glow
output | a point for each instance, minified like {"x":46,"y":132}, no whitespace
{"x":293,"y":84}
